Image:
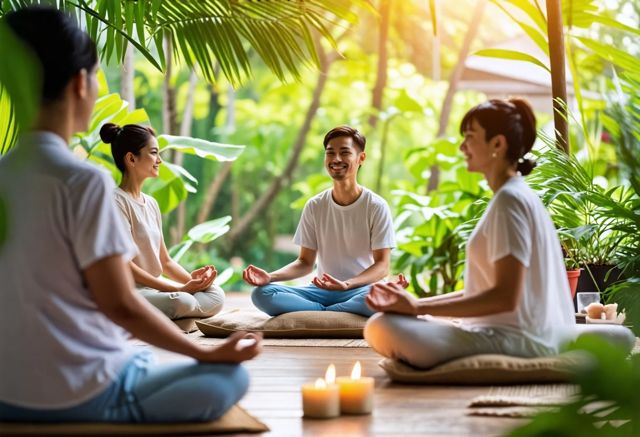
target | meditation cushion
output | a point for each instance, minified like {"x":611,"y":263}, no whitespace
{"x":233,"y":421}
{"x":300,"y":324}
{"x":487,"y":369}
{"x":187,"y":324}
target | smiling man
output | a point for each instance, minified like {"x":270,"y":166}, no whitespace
{"x":348,"y":228}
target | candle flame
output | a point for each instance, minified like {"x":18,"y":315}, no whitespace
{"x":320,"y":383}
{"x":330,"y":376}
{"x":357,"y":370}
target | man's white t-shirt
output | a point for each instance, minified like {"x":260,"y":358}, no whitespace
{"x":345,"y":236}
{"x":143,"y":220}
{"x":517,"y":223}
{"x":57,"y":349}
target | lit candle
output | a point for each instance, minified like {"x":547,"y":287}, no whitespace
{"x":321,"y":399}
{"x":356,"y":393}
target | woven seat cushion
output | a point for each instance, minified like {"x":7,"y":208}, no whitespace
{"x":488,"y":369}
{"x":300,"y":324}
{"x":234,"y":420}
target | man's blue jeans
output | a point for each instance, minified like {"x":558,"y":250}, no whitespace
{"x":276,"y":299}
{"x":144,"y":392}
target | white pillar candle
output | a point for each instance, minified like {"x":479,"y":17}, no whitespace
{"x":356,"y":392}
{"x":321,"y":400}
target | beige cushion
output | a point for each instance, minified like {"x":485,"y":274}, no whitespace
{"x":300,"y":324}
{"x":234,"y":420}
{"x":187,"y":324}
{"x":488,"y":369}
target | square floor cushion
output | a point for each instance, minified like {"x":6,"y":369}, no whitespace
{"x":235,"y":420}
{"x":187,"y":324}
{"x":300,"y":324}
{"x":488,"y":369}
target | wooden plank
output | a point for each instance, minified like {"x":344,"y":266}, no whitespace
{"x":400,"y":410}
{"x":274,"y":398}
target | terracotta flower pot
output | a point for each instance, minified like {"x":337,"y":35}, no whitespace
{"x":573,"y":276}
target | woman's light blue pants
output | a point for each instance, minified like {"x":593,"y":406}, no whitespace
{"x":144,"y":392}
{"x":276,"y":299}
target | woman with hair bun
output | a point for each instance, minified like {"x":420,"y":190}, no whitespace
{"x":137,"y":155}
{"x":516,"y":299}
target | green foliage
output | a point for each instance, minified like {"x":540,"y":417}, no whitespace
{"x":512,"y":55}
{"x":169,"y":188}
{"x":608,"y":402}
{"x":627,"y":296}
{"x":207,"y":33}
{"x":174,"y":182}
{"x":432,"y":230}
{"x":19,"y":81}
{"x":580,"y":208}
{"x":623,"y":122}
{"x":579,"y":17}
{"x":8,"y":123}
{"x":201,"y":148}
{"x":312,"y":185}
{"x":203,"y":233}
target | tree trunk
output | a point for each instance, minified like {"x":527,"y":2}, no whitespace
{"x":274,"y":188}
{"x":558,"y":75}
{"x":235,"y":201}
{"x":187,"y":117}
{"x":383,"y":148}
{"x":454,"y":79}
{"x":381,"y":83}
{"x":178,"y":159}
{"x":383,"y":57}
{"x":435,"y":53}
{"x":126,"y":77}
{"x":213,"y":190}
{"x":169,"y":125}
{"x":216,"y":184}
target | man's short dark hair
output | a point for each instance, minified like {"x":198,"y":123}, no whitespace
{"x":346,"y":131}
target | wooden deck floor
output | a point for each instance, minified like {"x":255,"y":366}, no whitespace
{"x":400,"y":410}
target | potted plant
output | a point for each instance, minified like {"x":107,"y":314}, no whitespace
{"x":586,"y":216}
{"x":573,"y":268}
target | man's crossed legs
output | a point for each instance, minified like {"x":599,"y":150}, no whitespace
{"x":276,"y":299}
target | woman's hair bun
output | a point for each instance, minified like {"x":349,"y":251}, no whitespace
{"x":109,"y":132}
{"x":525,"y":166}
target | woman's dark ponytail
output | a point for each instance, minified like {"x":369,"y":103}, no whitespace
{"x":528,"y":119}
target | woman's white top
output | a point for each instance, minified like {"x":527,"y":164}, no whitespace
{"x":517,"y":223}
{"x":57,"y":349}
{"x":142,"y":218}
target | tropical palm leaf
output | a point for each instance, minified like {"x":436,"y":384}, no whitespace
{"x":222,"y":31}
{"x":8,"y":125}
{"x":18,"y":83}
{"x":207,"y":32}
{"x":512,"y":55}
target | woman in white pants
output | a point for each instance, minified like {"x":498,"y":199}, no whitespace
{"x":136,"y":154}
{"x":516,"y":299}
